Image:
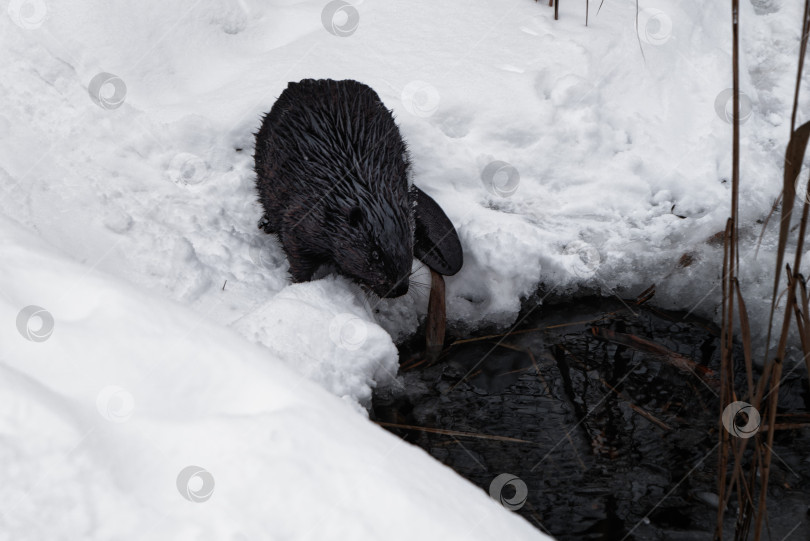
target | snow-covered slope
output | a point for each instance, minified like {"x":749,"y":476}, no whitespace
{"x":103,"y":420}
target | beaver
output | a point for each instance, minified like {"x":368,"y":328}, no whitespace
{"x":333,"y":177}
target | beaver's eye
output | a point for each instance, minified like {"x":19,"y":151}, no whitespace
{"x":355,"y":216}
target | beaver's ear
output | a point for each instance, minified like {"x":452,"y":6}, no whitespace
{"x":435,"y":240}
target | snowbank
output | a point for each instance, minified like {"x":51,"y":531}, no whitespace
{"x":324,"y":331}
{"x":127,"y":416}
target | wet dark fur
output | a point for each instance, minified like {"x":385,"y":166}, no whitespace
{"x":332,"y":175}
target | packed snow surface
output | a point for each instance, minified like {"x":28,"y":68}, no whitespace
{"x":569,"y":157}
{"x":138,"y":418}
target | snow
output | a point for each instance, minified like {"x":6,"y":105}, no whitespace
{"x":326,"y":333}
{"x":567,"y":159}
{"x":103,"y":419}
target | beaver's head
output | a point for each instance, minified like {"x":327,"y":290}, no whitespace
{"x":373,"y":242}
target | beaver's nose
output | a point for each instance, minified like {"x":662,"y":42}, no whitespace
{"x":401,"y":288}
{"x":398,"y":289}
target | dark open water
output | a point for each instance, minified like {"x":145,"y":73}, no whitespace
{"x":617,"y":441}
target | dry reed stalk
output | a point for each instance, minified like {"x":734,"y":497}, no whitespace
{"x":436,"y":317}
